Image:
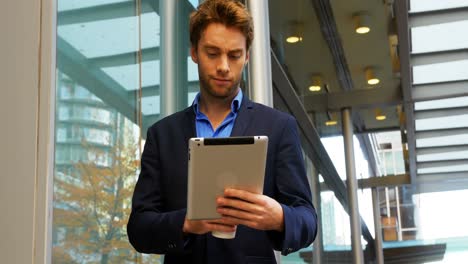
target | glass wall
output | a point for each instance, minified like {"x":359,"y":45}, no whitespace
{"x":108,"y":94}
{"x":438,"y":38}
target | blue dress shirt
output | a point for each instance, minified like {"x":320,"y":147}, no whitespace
{"x":203,"y":124}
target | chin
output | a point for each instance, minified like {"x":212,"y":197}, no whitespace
{"x":222,"y":93}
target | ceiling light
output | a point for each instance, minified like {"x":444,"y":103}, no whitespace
{"x":331,"y":119}
{"x":295,"y":32}
{"x":370,"y":76}
{"x":316,"y":83}
{"x":379,"y":115}
{"x":331,"y":123}
{"x":294,"y":39}
{"x":361,"y":23}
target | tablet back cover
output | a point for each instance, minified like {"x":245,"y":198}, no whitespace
{"x":219,"y":163}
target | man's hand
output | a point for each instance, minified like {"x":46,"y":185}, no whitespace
{"x":253,"y":210}
{"x":200,"y":227}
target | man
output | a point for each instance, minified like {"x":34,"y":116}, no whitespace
{"x":284,"y":218}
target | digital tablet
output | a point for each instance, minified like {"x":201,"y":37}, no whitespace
{"x":219,"y":163}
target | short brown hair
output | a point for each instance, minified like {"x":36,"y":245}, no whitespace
{"x":230,"y":13}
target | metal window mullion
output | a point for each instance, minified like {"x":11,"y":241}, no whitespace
{"x":260,"y":80}
{"x":351,"y":186}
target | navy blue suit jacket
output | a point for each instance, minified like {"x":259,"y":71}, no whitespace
{"x":160,"y":196}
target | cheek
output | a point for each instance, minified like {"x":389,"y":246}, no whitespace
{"x":239,"y":69}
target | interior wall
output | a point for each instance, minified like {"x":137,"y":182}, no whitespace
{"x":25,"y":86}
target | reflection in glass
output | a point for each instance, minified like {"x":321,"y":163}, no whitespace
{"x":98,"y":128}
{"x":107,"y":97}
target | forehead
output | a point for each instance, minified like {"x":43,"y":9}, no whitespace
{"x":220,"y":36}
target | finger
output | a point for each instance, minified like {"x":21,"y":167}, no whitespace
{"x":221,"y":227}
{"x":239,"y":205}
{"x":220,"y":221}
{"x":244,"y":195}
{"x":248,"y":223}
{"x":239,"y":214}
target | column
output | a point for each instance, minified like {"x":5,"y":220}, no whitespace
{"x":259,"y":67}
{"x":316,"y":199}
{"x":379,"y":259}
{"x":351,"y":186}
{"x":174,"y":53}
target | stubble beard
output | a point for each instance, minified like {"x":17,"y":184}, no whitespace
{"x":222,"y":93}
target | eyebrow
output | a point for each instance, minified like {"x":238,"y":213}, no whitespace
{"x":210,"y":47}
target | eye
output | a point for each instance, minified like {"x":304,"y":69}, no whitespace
{"x":212,"y":54}
{"x":235,"y":56}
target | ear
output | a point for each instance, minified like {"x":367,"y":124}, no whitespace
{"x":194,"y":54}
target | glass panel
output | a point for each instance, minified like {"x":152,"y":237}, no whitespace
{"x":399,"y":162}
{"x":456,"y":121}
{"x":194,"y":2}
{"x":388,"y":161}
{"x":98,"y":128}
{"x":440,"y":104}
{"x":106,"y":100}
{"x":441,"y":169}
{"x":392,"y":162}
{"x":452,"y":155}
{"x":429,"y":5}
{"x":366,"y":210}
{"x":445,"y":225}
{"x":447,"y":36}
{"x":94,"y":39}
{"x":442,"y":141}
{"x":443,"y":222}
{"x":335,"y":148}
{"x":335,"y":225}
{"x":63,"y":5}
{"x":441,"y":72}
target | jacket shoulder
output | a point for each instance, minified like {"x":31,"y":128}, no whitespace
{"x":171,"y":120}
{"x":269,"y":112}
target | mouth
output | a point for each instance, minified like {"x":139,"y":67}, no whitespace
{"x":220,"y":81}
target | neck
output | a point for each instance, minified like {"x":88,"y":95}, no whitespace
{"x":216,"y":109}
{"x":210,"y":105}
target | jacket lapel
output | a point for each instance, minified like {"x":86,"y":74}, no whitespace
{"x":189,"y":129}
{"x":243,"y":119}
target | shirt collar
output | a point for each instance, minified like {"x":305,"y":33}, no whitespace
{"x":235,"y":104}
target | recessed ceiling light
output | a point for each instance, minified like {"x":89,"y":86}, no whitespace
{"x":293,"y":39}
{"x":379,"y":115}
{"x":331,"y":123}
{"x":361,"y":23}
{"x":316,"y":83}
{"x":295,"y":32}
{"x":371,"y":77}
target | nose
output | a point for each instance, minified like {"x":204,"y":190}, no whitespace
{"x":223,"y":65}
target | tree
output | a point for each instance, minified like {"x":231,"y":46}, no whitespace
{"x":92,"y":205}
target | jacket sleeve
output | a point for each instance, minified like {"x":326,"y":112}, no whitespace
{"x":150,"y":229}
{"x":293,"y":193}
